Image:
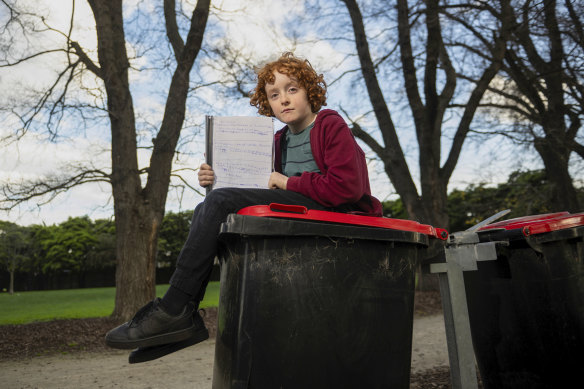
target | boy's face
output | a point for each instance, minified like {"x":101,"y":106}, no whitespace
{"x":289,"y":102}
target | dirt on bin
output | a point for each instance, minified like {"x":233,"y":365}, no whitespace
{"x":55,"y":338}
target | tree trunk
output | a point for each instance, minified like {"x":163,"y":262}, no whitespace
{"x":133,"y":273}
{"x":139,"y":211}
{"x":137,"y":232}
{"x":435,"y":201}
{"x":543,"y":80}
{"x":429,"y":205}
{"x":11,"y":286}
{"x":555,"y":156}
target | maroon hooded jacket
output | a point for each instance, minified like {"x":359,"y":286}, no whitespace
{"x":343,"y":177}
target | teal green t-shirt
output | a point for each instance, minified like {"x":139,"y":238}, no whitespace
{"x":298,"y":155}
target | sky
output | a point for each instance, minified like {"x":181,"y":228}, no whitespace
{"x":259,"y":31}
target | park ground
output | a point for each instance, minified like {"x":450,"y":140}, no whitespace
{"x":71,"y":354}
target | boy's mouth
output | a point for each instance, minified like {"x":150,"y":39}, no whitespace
{"x":287,"y":110}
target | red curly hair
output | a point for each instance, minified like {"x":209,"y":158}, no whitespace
{"x":293,"y":67}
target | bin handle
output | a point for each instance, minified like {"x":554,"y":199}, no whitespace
{"x":288,"y":208}
{"x":488,"y":220}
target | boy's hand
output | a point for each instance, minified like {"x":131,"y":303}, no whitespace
{"x":277,"y":181}
{"x":206,"y":175}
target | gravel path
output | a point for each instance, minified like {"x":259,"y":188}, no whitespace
{"x":111,"y":370}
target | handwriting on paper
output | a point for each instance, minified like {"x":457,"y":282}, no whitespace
{"x":242,"y":151}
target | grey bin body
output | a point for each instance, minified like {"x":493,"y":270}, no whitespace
{"x":307,"y":304}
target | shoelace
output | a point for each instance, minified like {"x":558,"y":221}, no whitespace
{"x":142,"y":313}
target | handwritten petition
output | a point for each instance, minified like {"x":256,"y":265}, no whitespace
{"x":241,"y":151}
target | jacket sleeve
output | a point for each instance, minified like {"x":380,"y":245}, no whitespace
{"x":341,"y":162}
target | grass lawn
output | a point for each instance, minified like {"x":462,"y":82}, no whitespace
{"x":26,"y":307}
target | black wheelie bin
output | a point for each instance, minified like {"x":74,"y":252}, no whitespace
{"x":316,"y":299}
{"x":526,"y":308}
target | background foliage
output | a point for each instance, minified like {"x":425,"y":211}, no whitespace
{"x":80,"y":245}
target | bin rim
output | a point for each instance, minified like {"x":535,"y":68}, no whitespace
{"x":301,"y":212}
{"x":538,"y":224}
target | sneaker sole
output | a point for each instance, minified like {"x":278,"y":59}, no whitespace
{"x":145,"y":354}
{"x":162,"y":339}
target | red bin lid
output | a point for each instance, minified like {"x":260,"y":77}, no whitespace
{"x":539,"y":224}
{"x":301,"y":212}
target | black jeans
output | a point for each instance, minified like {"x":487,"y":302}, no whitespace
{"x":195,"y":260}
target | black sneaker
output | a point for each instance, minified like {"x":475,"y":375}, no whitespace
{"x":144,"y":354}
{"x":152,"y":326}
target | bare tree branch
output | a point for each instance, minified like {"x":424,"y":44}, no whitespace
{"x":45,"y":189}
{"x":172,"y":28}
{"x":89,"y":64}
{"x":498,"y":53}
{"x":185,"y":182}
{"x":358,"y":131}
{"x":578,"y":148}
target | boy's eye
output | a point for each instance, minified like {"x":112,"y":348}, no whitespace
{"x":293,"y":89}
{"x":273,"y":96}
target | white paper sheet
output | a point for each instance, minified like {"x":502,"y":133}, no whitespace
{"x":242,"y":151}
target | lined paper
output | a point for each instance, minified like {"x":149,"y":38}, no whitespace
{"x":241,"y":151}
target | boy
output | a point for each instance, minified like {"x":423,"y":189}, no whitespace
{"x":318,"y":165}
